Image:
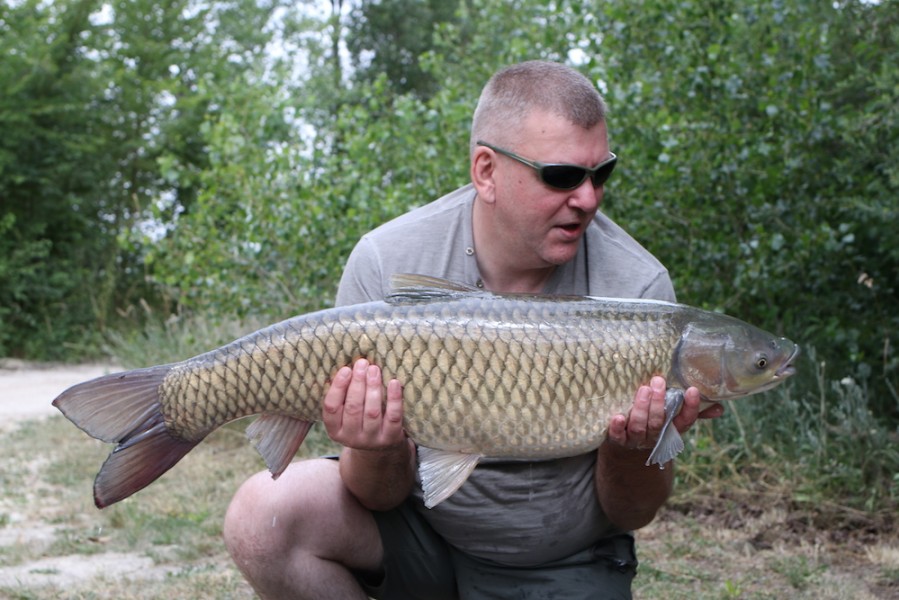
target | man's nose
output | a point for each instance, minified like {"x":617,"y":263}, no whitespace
{"x":585,"y":197}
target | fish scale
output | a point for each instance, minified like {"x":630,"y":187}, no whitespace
{"x":484,"y":375}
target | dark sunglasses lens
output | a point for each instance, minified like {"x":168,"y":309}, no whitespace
{"x":564,"y":177}
{"x":603,"y":174}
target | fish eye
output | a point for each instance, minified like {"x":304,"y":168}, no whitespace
{"x":761,"y":362}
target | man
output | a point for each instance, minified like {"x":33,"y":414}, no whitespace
{"x":516,"y":529}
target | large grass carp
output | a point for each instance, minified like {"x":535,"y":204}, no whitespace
{"x":484,"y":375}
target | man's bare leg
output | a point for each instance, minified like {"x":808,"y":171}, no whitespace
{"x":300,"y":535}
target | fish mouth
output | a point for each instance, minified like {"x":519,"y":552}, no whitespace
{"x":788,"y":368}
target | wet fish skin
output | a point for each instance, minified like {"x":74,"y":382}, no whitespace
{"x":486,"y":353}
{"x":484,"y":375}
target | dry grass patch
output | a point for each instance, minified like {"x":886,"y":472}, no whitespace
{"x":758,"y":544}
{"x":164,"y":541}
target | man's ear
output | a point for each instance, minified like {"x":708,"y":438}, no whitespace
{"x":483,"y":172}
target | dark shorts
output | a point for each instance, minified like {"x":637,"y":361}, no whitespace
{"x":420,"y":565}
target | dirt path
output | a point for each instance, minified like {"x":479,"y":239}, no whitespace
{"x":28,"y":389}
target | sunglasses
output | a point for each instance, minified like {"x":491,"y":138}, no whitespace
{"x":563,"y":176}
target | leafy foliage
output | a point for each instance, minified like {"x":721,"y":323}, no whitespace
{"x":48,"y":176}
{"x":745,"y":132}
{"x":382,"y":43}
{"x":90,"y":101}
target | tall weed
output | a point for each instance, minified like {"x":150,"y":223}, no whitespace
{"x":158,"y":340}
{"x":819,"y":443}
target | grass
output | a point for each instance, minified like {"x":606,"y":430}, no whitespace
{"x":48,"y":469}
{"x":792,"y":494}
{"x":700,"y":554}
{"x":718,"y":545}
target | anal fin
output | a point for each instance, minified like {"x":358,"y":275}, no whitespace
{"x":277,"y":438}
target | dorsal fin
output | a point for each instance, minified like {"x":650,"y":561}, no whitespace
{"x":408,"y":288}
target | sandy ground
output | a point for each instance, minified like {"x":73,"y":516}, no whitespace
{"x":27,"y":390}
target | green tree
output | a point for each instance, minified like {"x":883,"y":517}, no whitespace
{"x":388,"y":37}
{"x":49,"y":174}
{"x":91,"y":101}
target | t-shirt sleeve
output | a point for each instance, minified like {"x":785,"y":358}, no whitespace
{"x":362,"y":279}
{"x":661,"y":288}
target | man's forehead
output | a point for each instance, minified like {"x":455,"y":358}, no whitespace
{"x":550,"y":130}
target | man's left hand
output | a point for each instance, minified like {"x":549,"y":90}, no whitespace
{"x":641,"y":427}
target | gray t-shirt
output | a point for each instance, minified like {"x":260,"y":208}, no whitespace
{"x":521,"y":513}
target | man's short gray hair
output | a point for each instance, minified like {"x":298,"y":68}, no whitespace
{"x":513,"y":92}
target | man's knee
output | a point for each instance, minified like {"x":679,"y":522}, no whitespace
{"x":243,"y":536}
{"x":266,"y":517}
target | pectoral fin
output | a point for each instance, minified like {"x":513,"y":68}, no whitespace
{"x":443,"y":472}
{"x":670,"y":443}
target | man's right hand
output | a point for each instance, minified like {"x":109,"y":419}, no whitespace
{"x":355,"y":414}
{"x":377,"y":464}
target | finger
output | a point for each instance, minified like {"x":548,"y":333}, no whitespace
{"x":638,"y":417}
{"x":713,"y":412}
{"x":618,"y":430}
{"x":656,"y":416}
{"x":355,"y":397}
{"x":393,"y":413}
{"x":332,"y":411}
{"x":690,"y":410}
{"x":371,"y":418}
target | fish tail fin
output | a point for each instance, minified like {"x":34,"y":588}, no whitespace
{"x":137,"y":462}
{"x":124,"y":409}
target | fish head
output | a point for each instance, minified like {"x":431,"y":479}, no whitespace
{"x":726,"y":358}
